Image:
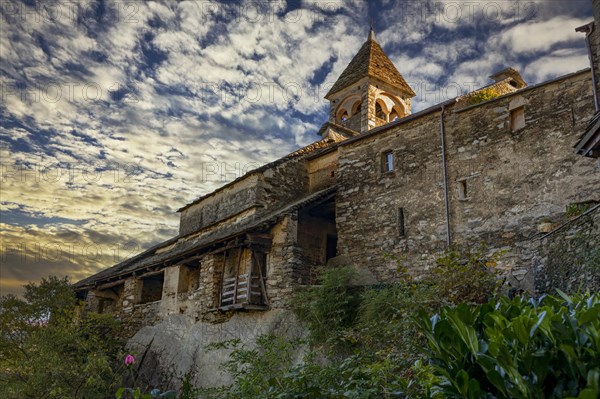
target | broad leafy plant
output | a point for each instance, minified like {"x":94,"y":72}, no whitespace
{"x":525,"y":348}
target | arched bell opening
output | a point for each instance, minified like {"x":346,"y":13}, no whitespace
{"x":389,"y":108}
{"x":348,"y":108}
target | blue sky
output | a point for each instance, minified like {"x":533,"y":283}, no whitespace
{"x":116,"y":113}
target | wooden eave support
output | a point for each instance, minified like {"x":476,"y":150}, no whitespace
{"x":151,"y":273}
{"x":106,"y":295}
{"x":110,"y":285}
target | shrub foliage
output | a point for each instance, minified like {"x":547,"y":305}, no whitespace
{"x":381,"y":342}
{"x":48,"y":351}
{"x":363,"y":342}
{"x":519,"y":348}
{"x":483,"y":95}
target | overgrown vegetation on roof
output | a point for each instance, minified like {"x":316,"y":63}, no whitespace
{"x":483,"y":95}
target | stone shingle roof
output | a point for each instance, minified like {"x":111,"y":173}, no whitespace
{"x":371,"y":61}
{"x":181,"y":247}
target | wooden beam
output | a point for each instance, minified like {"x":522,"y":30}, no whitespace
{"x":237,"y":275}
{"x":230,"y":246}
{"x":151,"y":273}
{"x":106,"y":295}
{"x":110,"y":285}
{"x":190,"y":259}
{"x":249,"y":279}
{"x":262,"y":280}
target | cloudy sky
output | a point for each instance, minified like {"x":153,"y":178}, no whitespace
{"x":114,"y":114}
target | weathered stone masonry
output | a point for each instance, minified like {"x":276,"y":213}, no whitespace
{"x":568,"y":258}
{"x":372,"y":191}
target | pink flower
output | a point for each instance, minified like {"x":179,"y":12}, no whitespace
{"x":129,"y":360}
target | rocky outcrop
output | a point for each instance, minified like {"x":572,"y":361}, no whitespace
{"x":178,"y":346}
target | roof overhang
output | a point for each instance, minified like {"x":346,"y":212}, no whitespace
{"x":151,"y":260}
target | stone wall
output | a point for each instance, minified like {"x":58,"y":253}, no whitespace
{"x":495,"y":89}
{"x":282,"y":184}
{"x":192,"y":290}
{"x":253,"y":196}
{"x":211,"y":273}
{"x":284,"y":257}
{"x":569,"y":257}
{"x":322,"y":171}
{"x":368,"y":200}
{"x":514,"y":179}
{"x":221,"y":205}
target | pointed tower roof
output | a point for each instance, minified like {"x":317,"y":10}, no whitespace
{"x":371,"y":61}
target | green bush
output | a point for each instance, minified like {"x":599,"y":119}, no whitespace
{"x":258,"y":371}
{"x":371,"y":345}
{"x":47,"y":351}
{"x":465,"y":275}
{"x":384,"y":325}
{"x":268,"y":371}
{"x":329,"y":309}
{"x":547,"y":348}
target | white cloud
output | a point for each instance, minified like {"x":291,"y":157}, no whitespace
{"x":541,"y":36}
{"x":153,"y":145}
{"x":558,"y":63}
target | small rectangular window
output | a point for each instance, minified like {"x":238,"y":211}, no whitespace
{"x":152,"y":287}
{"x":401,"y":230}
{"x":517,"y":118}
{"x":189,"y":279}
{"x":387,"y":162}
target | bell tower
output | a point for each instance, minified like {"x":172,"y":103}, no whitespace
{"x":370,"y":92}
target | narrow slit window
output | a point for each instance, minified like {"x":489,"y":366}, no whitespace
{"x":401,"y":227}
{"x":330,"y":246}
{"x":517,"y":118}
{"x":463,"y":192}
{"x":387,"y":162}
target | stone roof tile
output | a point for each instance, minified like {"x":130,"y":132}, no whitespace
{"x":372,"y":61}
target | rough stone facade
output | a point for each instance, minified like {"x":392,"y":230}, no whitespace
{"x":569,"y":257}
{"x":178,"y":346}
{"x":382,"y":185}
{"x":239,"y":198}
{"x":514,"y":178}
